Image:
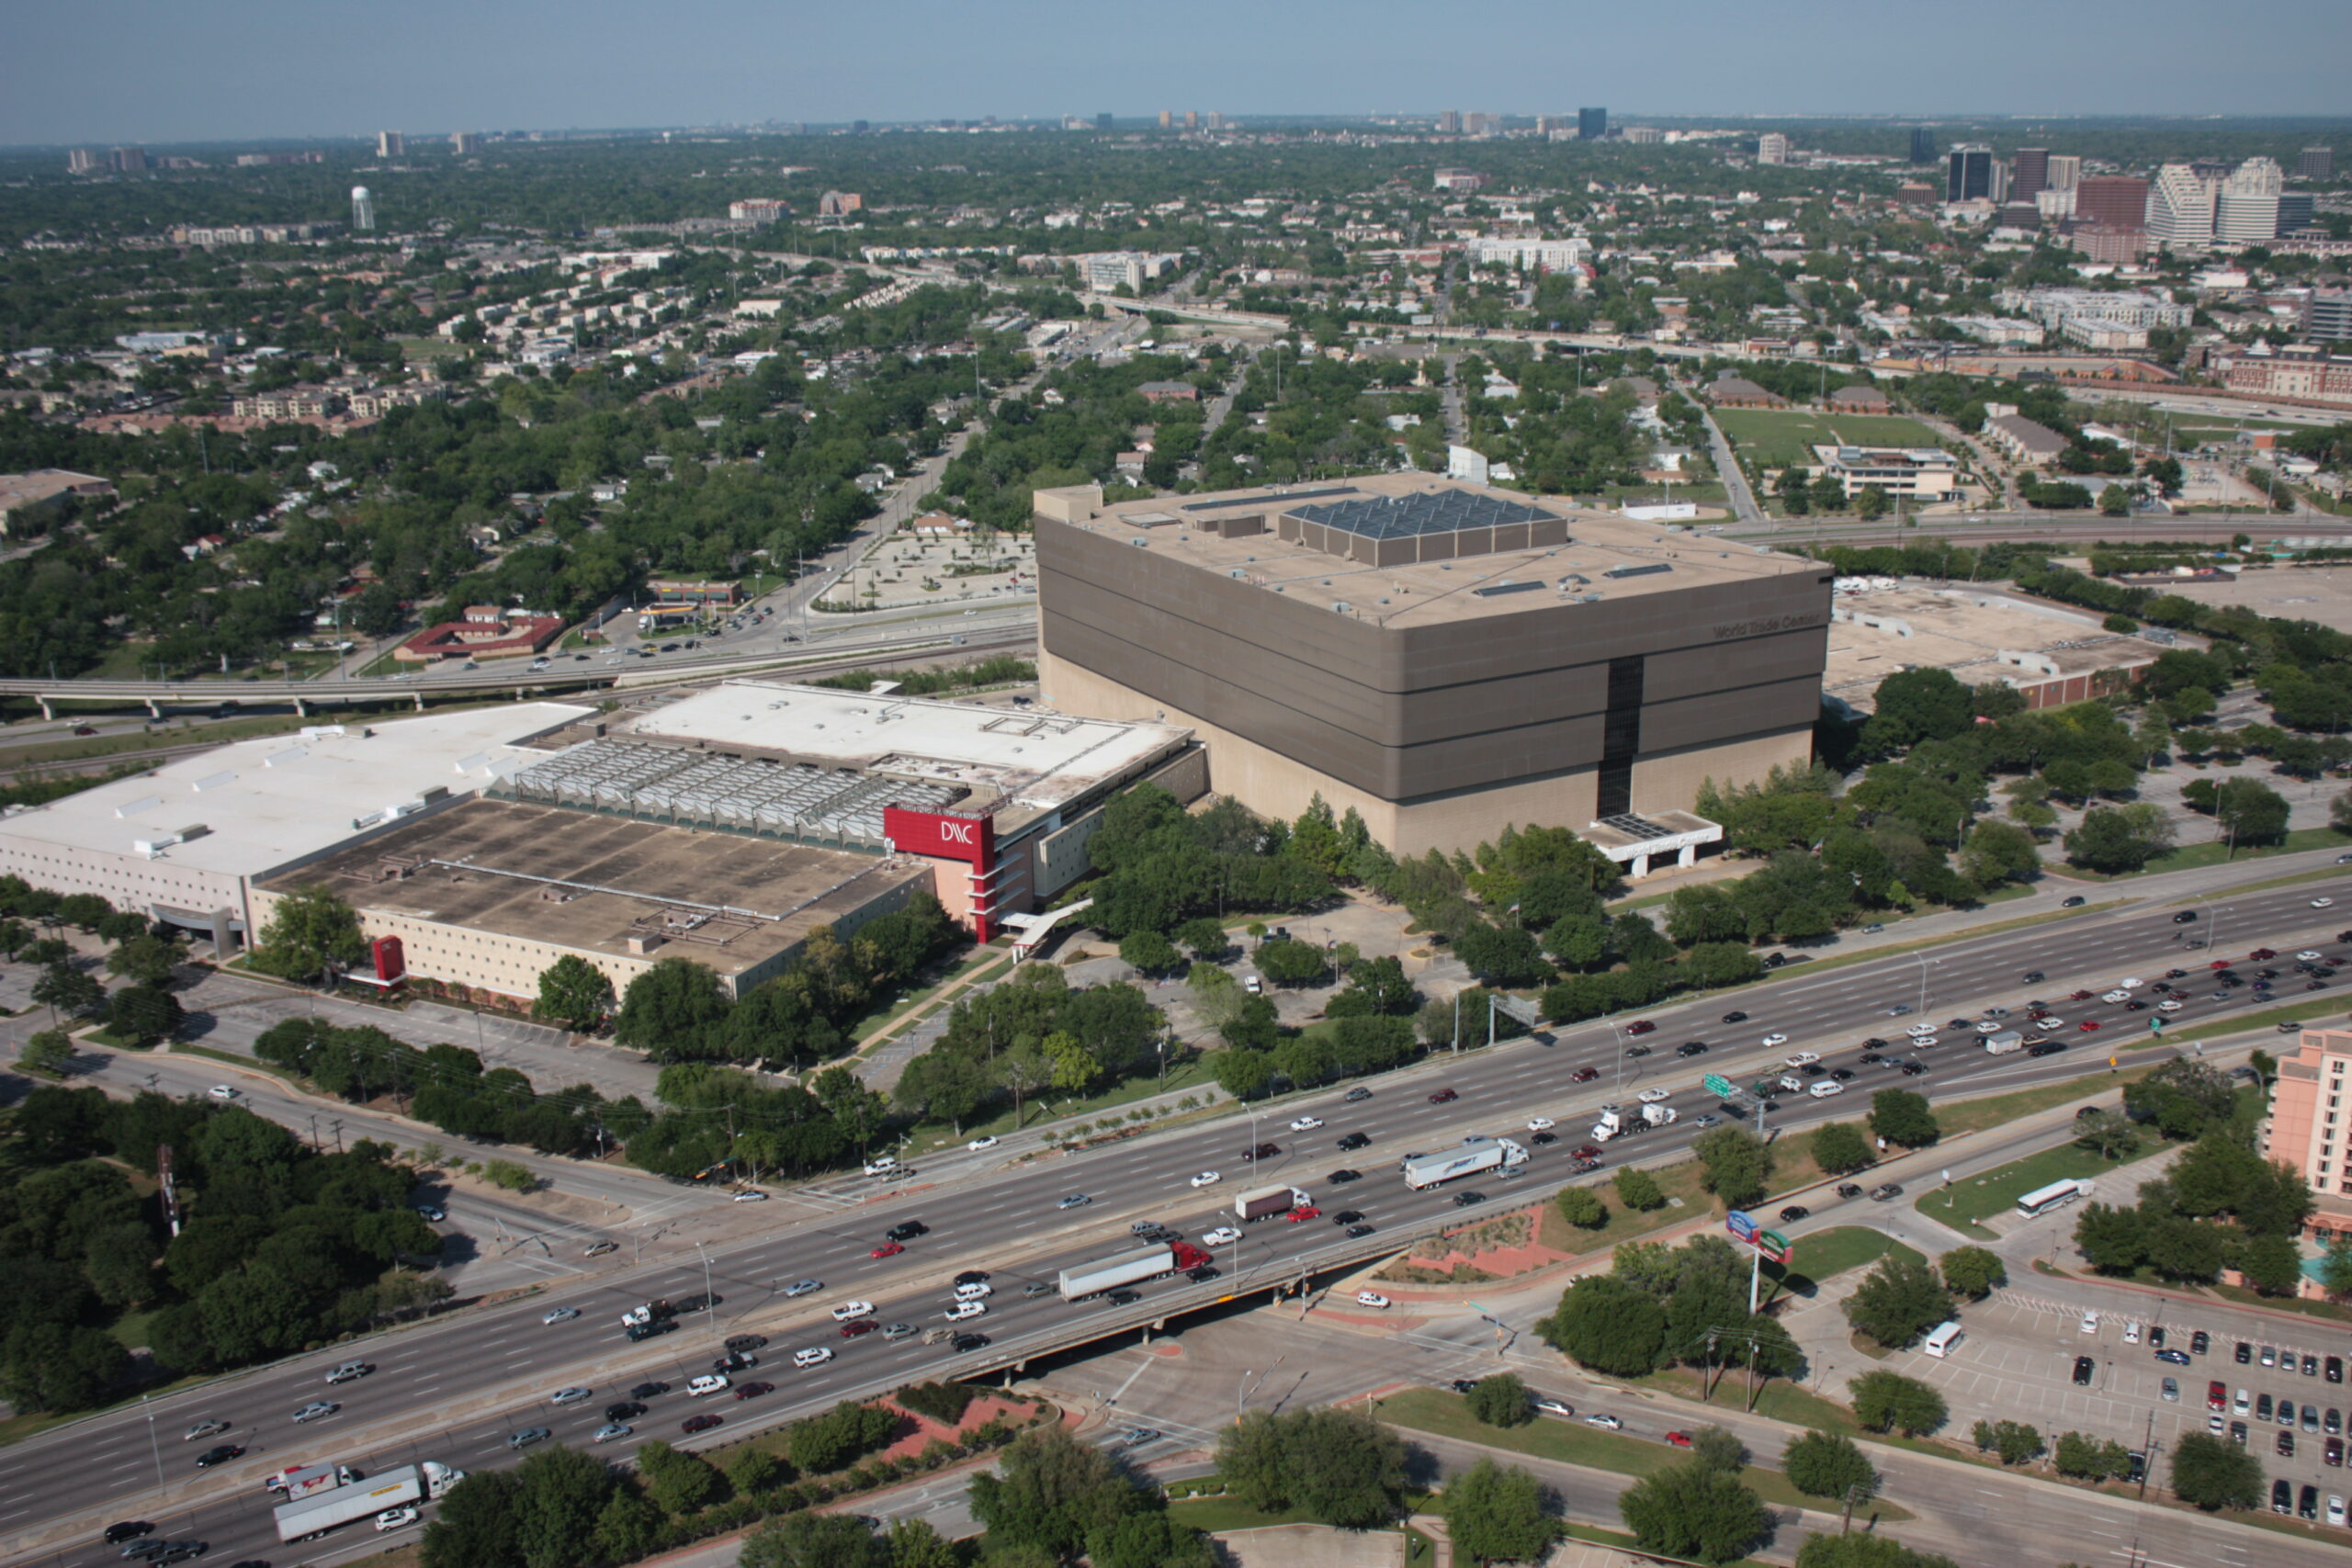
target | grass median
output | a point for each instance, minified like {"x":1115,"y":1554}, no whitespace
{"x":1573,"y":1442}
{"x":1964,"y":1205}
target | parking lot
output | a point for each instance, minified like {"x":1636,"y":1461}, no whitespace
{"x":2018,"y":1357}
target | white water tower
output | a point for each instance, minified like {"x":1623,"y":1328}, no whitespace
{"x":363,"y":210}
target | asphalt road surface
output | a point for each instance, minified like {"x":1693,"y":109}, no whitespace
{"x":453,"y":1391}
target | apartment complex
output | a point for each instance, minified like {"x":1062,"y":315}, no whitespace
{"x":2309,"y":1126}
{"x":1442,"y":656}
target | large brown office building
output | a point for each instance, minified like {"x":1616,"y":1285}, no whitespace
{"x":1445,"y":656}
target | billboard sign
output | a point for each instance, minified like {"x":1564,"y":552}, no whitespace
{"x":940,"y":834}
{"x":1773,"y":1246}
{"x":1741,"y":1224}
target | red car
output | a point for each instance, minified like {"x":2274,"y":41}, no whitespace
{"x":2088,"y":1025}
{"x":2078,"y":996}
{"x":2217,"y":1397}
{"x":1264,"y":1151}
{"x":1305,"y":1212}
{"x":1590,"y":1151}
{"x":855,"y":1328}
{"x":1679,"y":1439}
{"x":751,"y":1390}
{"x":1640,"y":1026}
{"x":1584,"y":1075}
{"x":888,"y":1250}
{"x":693,"y":1424}
{"x":2261,"y":954}
{"x":1443,"y":1096}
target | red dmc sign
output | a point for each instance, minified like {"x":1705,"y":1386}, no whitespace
{"x":390,"y":962}
{"x":971,"y":839}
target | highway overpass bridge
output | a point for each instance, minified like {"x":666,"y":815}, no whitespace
{"x":566,"y":675}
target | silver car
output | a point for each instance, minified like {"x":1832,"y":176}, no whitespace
{"x":316,"y":1409}
{"x":803,"y":1288}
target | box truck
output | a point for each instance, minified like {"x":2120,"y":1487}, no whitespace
{"x":1261,"y":1203}
{"x":1466,"y":1158}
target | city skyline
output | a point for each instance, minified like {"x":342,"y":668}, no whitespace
{"x":274,"y":69}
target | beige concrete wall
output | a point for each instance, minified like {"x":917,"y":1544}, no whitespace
{"x":1274,"y":785}
{"x":511,"y":965}
{"x":127,"y":881}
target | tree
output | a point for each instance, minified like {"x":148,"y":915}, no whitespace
{"x":1736,"y":1165}
{"x":1828,"y":1464}
{"x":1342,"y":1467}
{"x":1638,"y":1190}
{"x":1973,"y":1272}
{"x":142,"y":1014}
{"x":2013,"y":1442}
{"x":1051,"y":1491}
{"x":1998,"y":851}
{"x":143,"y":961}
{"x":1139,"y":1540}
{"x":1606,"y":1325}
{"x":2109,"y":1132}
{"x":1149,"y":952}
{"x":563,"y":1494}
{"x":1918,"y":705}
{"x":2090,"y":1459}
{"x":1839,"y":1148}
{"x":2271,"y":1264}
{"x":1719,"y":1449}
{"x":1206,"y":936}
{"x":1496,"y":1515}
{"x":65,"y":990}
{"x":1900,"y":1116}
{"x":574,"y":993}
{"x":754,"y":1471}
{"x":1898,"y":1300}
{"x":1582,"y":1207}
{"x":50,"y":1051}
{"x":309,"y":929}
{"x":1858,"y":1550}
{"x":1889,"y":1402}
{"x":678,"y":1481}
{"x":2212,"y":1473}
{"x":672,"y":1010}
{"x":2119,"y":839}
{"x":1502,"y":1400}
{"x":1504,"y":956}
{"x":2115,"y":502}
{"x":2250,"y":811}
{"x":476,"y":1524}
{"x":806,"y":1539}
{"x":1693,"y":1511}
{"x":630,"y":1527}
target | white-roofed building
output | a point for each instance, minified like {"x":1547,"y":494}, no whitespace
{"x":187,"y":842}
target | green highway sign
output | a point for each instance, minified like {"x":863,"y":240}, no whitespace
{"x":1717,"y":1085}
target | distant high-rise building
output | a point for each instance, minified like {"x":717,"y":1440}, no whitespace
{"x":390,"y":144}
{"x":1592,"y":124}
{"x":1192,"y":120}
{"x":1101,"y":122}
{"x":2112,"y":201}
{"x":1166,"y":119}
{"x":1968,"y":173}
{"x":1923,"y":144}
{"x":2316,"y":163}
{"x":2066,"y":171}
{"x":1642,"y":134}
{"x":126,"y":159}
{"x":1772,"y":148}
{"x":2327,"y":315}
{"x":1449,"y":123}
{"x":2029,"y":173}
{"x":839,"y":203}
{"x":859,"y":127}
{"x":1216,"y":119}
{"x":2180,"y":208}
{"x":2247,"y":209}
{"x":1478,"y":124}
{"x":465,"y":143}
{"x":85,"y":160}
{"x":363,"y":210}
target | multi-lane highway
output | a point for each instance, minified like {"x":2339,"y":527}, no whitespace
{"x":454,"y":1390}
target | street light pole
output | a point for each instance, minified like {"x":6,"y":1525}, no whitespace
{"x":709,"y":1304}
{"x":152,"y":1447}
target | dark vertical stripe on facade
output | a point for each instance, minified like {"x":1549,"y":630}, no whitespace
{"x":1621,"y":735}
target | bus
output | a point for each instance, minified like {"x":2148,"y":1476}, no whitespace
{"x":1942,"y":1338}
{"x":2057,"y":1195}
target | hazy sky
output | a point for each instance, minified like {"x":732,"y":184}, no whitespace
{"x":164,"y":71}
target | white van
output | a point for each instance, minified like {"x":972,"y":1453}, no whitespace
{"x":973,"y":1290}
{"x":882,"y":1165}
{"x":705,"y":1385}
{"x":1825,"y":1087}
{"x":1251,"y":983}
{"x":1941,"y":1338}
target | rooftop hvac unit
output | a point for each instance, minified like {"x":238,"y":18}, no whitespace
{"x":1340,"y":607}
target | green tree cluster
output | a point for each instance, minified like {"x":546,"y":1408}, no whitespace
{"x":1339,"y":1466}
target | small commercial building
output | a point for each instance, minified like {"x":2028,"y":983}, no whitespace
{"x":1912,"y":473}
{"x":28,"y":500}
{"x":2050,"y":654}
{"x":2026,"y":444}
{"x":487,"y":632}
